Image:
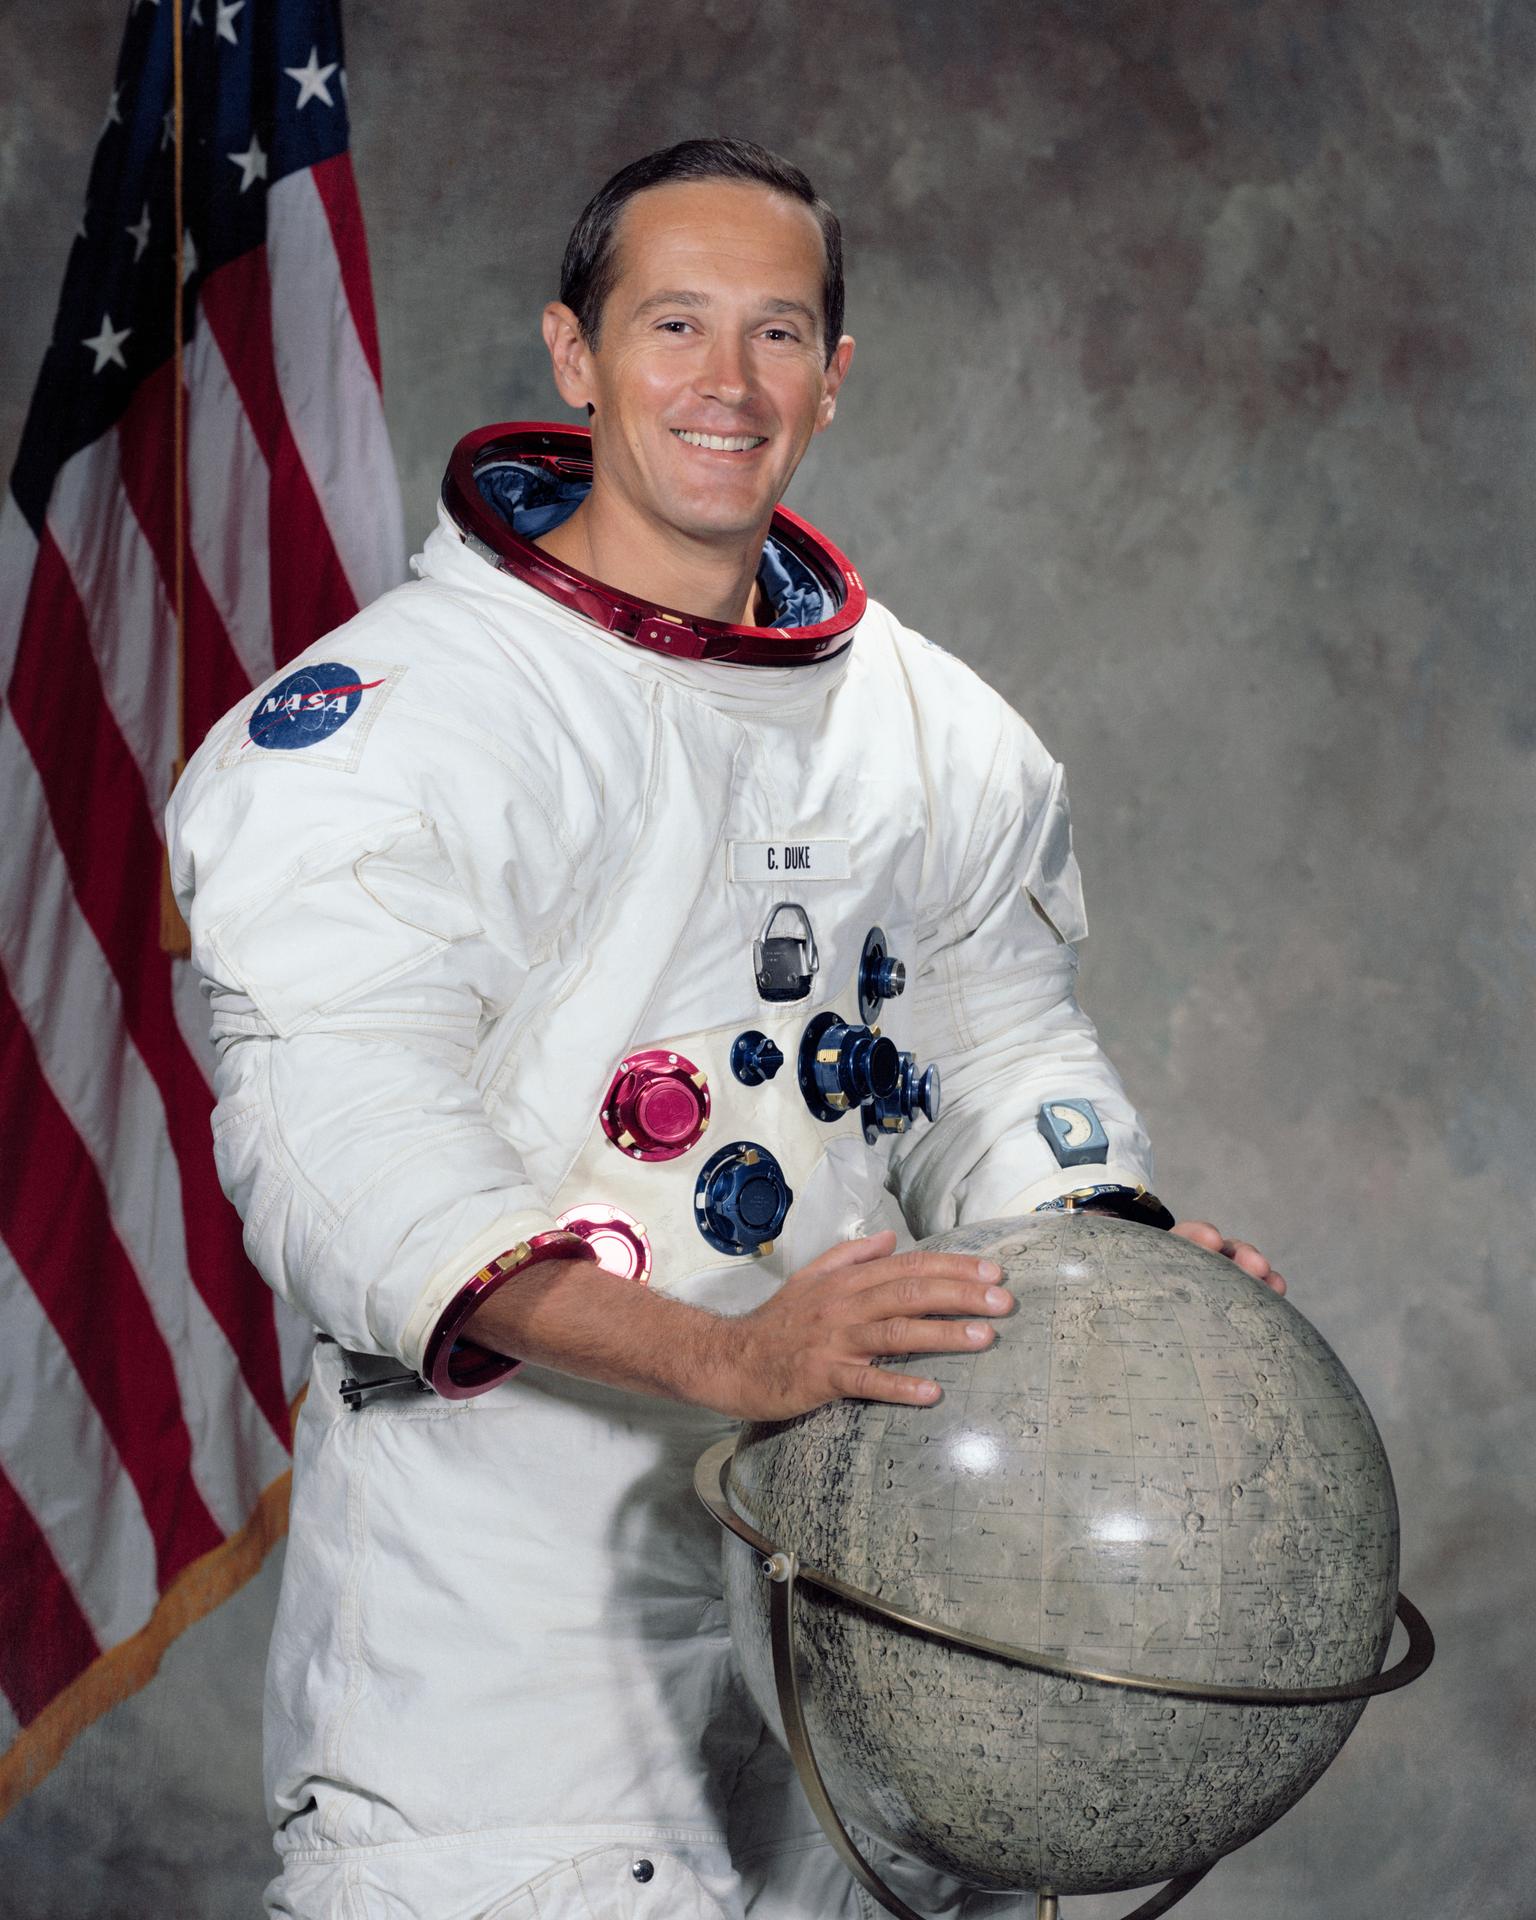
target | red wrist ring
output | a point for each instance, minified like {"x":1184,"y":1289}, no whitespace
{"x":458,"y":1369}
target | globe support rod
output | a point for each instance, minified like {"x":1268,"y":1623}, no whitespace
{"x":710,"y":1477}
{"x":1169,"y":1896}
{"x":781,"y":1570}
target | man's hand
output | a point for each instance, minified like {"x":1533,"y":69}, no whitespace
{"x":820,"y":1333}
{"x":1240,"y":1252}
{"x":814,"y":1341}
{"x":818,"y":1337}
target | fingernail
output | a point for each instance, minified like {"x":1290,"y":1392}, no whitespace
{"x":989,"y":1270}
{"x":996,"y":1297}
{"x":976,"y":1330}
{"x":928,"y":1391}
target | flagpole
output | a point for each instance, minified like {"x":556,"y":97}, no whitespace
{"x":175,"y":938}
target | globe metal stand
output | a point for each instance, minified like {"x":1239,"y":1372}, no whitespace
{"x":784,"y":1572}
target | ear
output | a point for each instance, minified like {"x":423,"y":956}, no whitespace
{"x":570,"y":357}
{"x":836,"y":373}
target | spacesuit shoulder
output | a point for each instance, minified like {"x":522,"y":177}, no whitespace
{"x":406,"y":716}
{"x":961,"y":709}
{"x":999,"y":800}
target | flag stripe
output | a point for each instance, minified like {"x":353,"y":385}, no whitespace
{"x":62,"y":1238}
{"x":18,"y":552}
{"x":309,"y":589}
{"x":127,"y":614}
{"x":336,"y":184}
{"x":58,"y":1640}
{"x":224,"y":464}
{"x":64,"y":988}
{"x":114,"y":856}
{"x":329,"y":391}
{"x":214,"y":677}
{"x":61,"y":1460}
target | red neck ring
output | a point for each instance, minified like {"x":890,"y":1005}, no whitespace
{"x":567,"y":453}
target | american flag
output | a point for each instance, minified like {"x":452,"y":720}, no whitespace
{"x":145,"y":1372}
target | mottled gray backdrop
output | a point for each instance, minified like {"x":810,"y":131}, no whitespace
{"x":1194,"y":405}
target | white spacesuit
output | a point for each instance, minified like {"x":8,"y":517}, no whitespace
{"x":482,"y":897}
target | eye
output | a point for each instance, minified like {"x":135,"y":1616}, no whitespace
{"x":781,"y":333}
{"x":674,"y":326}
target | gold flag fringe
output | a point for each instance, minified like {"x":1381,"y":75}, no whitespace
{"x":122,"y":1670}
{"x":126,"y":1668}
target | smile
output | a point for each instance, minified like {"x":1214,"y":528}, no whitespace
{"x":721,"y":442}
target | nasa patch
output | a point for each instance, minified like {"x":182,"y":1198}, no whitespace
{"x":319,"y":714}
{"x":306,"y":707}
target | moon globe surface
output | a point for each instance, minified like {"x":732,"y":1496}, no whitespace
{"x":1160,"y":1468}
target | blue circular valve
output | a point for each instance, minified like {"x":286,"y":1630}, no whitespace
{"x":921,"y":1091}
{"x":915,"y":1093}
{"x":741,"y":1199}
{"x":754,"y":1058}
{"x":842,"y":1065}
{"x":881,"y":976}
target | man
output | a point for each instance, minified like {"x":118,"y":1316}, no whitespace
{"x":548,"y":911}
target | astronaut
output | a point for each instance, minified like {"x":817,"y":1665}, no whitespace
{"x":587,"y":926}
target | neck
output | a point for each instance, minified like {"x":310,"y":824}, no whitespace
{"x":715,"y":579}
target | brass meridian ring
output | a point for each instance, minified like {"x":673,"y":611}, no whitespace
{"x":709,"y":1483}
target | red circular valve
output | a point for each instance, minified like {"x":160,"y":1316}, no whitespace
{"x":656,"y":1106}
{"x":621,"y":1244}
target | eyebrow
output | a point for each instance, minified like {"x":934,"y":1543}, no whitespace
{"x":685,"y":297}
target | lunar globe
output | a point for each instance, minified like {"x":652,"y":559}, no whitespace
{"x":1160,"y":1473}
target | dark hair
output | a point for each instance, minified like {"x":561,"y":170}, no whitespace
{"x":590,"y":266}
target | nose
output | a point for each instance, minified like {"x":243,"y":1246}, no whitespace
{"x":725,"y":374}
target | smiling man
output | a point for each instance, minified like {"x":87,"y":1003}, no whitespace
{"x":586,"y":927}
{"x":709,"y":350}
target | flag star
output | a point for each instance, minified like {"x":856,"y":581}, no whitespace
{"x":114,"y":118}
{"x":312,"y":79}
{"x":342,"y":77}
{"x":224,"y":26}
{"x":252,"y":163}
{"x":140,"y":234}
{"x":196,"y":15}
{"x":108,"y":344}
{"x":80,"y":232}
{"x":188,"y":257}
{"x":167,"y":128}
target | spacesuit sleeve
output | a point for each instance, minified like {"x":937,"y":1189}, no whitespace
{"x":350,"y":971}
{"x":995,"y":1007}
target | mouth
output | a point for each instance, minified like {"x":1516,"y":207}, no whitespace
{"x":720,"y":442}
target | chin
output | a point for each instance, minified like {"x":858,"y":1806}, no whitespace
{"x":707,"y":525}
{"x":729,"y":504}
{"x":713,"y":518}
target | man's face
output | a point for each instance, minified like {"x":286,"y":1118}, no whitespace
{"x":713,"y":332}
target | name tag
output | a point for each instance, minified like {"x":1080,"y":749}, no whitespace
{"x":789,"y":860}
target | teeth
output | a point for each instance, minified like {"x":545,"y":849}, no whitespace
{"x":721,"y":442}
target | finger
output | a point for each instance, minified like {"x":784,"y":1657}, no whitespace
{"x":1201,"y":1232}
{"x":1275,"y":1281}
{"x":911,"y":1295}
{"x":854,"y":1253}
{"x":1243,"y":1254}
{"x":856,"y":1382}
{"x":901,"y":1335}
{"x":917,"y":1268}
